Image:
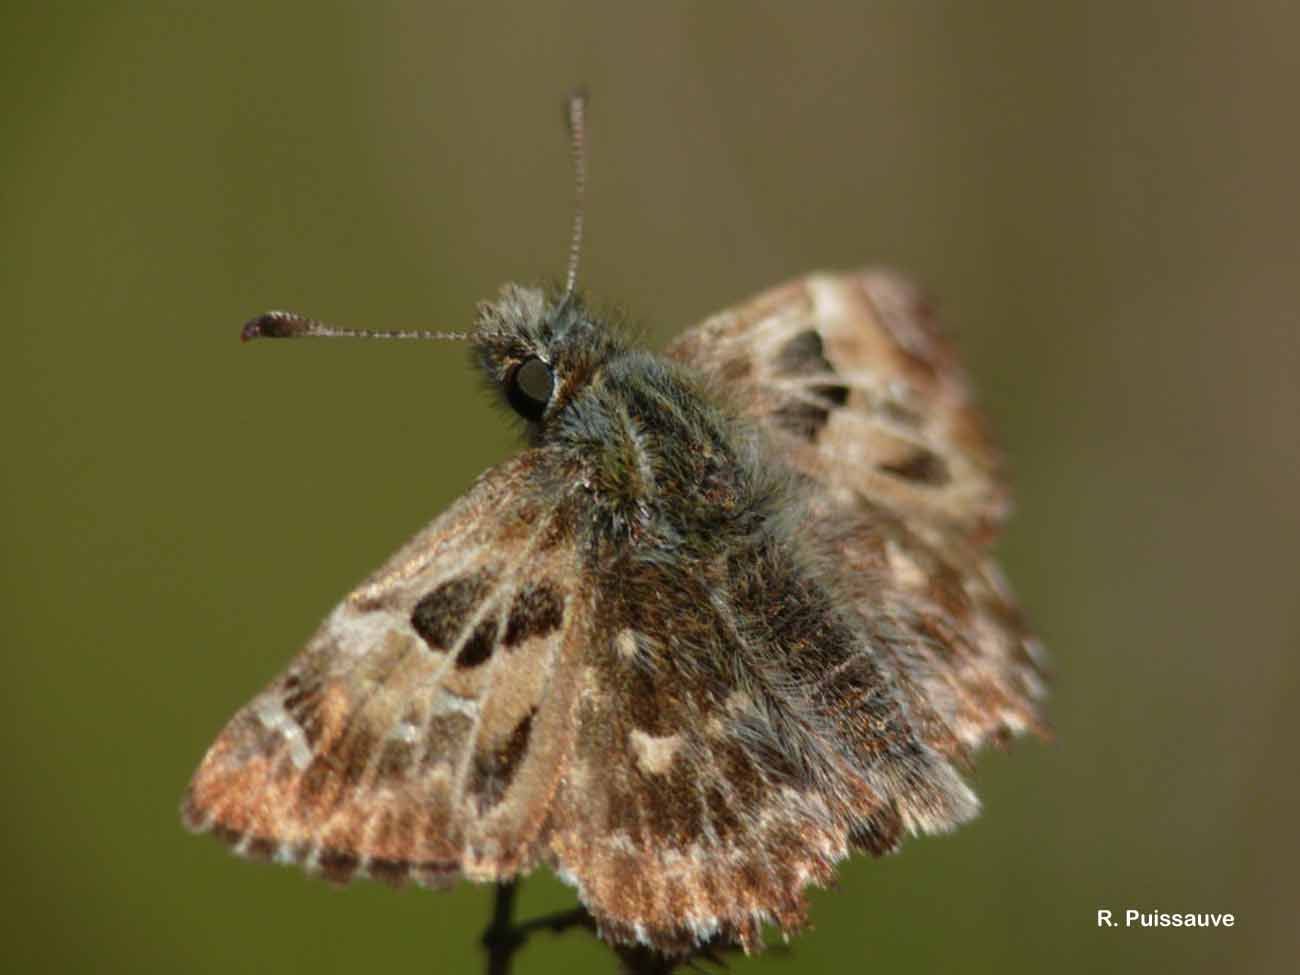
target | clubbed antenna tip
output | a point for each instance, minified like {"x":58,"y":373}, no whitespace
{"x":272,"y":325}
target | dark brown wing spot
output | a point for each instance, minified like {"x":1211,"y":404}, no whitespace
{"x":839,"y":395}
{"x":391,"y":872}
{"x":806,"y":417}
{"x":537,"y":611}
{"x":493,"y":771}
{"x":644,"y":692}
{"x":337,"y":866}
{"x":801,"y":418}
{"x":261,"y":848}
{"x":921,"y":467}
{"x":440,"y":615}
{"x":479,"y":646}
{"x":803,"y":353}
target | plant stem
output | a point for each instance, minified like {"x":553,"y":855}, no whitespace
{"x":503,"y":937}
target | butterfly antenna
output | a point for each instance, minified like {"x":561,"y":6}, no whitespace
{"x":577,"y":116}
{"x":287,"y":325}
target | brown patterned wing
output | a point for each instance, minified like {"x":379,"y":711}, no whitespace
{"x":421,"y":732}
{"x":677,"y":833}
{"x":737,"y":735}
{"x":856,"y":388}
{"x":852,"y":375}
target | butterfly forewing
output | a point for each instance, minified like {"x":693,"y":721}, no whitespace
{"x":421,"y":731}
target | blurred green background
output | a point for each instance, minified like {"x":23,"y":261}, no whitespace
{"x":1101,"y":197}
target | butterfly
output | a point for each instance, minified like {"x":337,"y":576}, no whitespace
{"x":730,"y":616}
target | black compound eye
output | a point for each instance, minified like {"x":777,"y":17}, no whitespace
{"x":529,"y":387}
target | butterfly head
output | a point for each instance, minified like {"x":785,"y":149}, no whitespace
{"x":539,"y":350}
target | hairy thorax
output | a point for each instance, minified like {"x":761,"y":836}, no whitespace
{"x":662,"y":464}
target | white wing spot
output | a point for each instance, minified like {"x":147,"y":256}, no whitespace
{"x":449,"y":703}
{"x":358,"y":633}
{"x":625,"y":644}
{"x":654,"y":754}
{"x":906,"y":569}
{"x":270,"y":711}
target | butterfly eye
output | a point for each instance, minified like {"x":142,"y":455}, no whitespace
{"x":529,"y":387}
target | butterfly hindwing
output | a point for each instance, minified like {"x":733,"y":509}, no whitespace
{"x":856,"y":388}
{"x":737,"y":736}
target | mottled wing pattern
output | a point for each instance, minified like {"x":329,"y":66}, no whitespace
{"x":673,"y":829}
{"x":857,"y":389}
{"x":422,"y":730}
{"x":852,"y":375}
{"x":712,"y":779}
